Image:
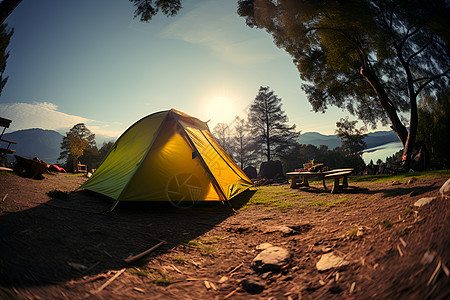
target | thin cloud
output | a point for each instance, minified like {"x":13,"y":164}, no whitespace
{"x":225,"y":35}
{"x":46,"y":116}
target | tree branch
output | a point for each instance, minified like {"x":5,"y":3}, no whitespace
{"x":429,"y":80}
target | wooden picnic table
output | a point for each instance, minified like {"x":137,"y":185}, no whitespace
{"x":331,"y":174}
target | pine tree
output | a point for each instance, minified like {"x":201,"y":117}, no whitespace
{"x":268,"y":124}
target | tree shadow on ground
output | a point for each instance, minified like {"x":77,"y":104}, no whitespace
{"x":41,"y":245}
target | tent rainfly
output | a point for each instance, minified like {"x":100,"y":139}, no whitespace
{"x":168,"y":156}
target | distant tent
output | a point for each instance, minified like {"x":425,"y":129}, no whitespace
{"x":168,"y":156}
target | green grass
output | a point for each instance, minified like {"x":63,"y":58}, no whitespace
{"x":180,"y":259}
{"x":330,"y":203}
{"x":403,"y":177}
{"x":318,"y":203}
{"x":204,"y":246}
{"x":352,"y":233}
{"x":274,"y":198}
{"x":158,"y":276}
{"x":385,"y":222}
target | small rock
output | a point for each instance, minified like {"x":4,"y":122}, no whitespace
{"x":424,"y":201}
{"x":326,"y":249}
{"x":253,"y":285}
{"x":412,"y":180}
{"x":329,"y":261}
{"x":445,"y":190}
{"x":280,"y":228}
{"x":427,"y":258}
{"x":360,"y":231}
{"x":263,"y":246}
{"x":271,"y":259}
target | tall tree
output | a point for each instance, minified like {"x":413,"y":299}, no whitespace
{"x":5,"y":36}
{"x":371,"y":57}
{"x":351,"y":137}
{"x":244,"y":149}
{"x":268,"y":124}
{"x":76,"y":141}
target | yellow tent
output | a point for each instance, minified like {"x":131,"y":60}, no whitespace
{"x":168,"y":156}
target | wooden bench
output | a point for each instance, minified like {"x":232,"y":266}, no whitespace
{"x":336,"y":177}
{"x":5,"y":124}
{"x":295,"y":176}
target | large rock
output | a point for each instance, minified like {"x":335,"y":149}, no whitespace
{"x":271,"y":259}
{"x":330,"y":261}
{"x":250,"y":171}
{"x":445,"y":190}
{"x":424,"y":201}
{"x":271,"y":169}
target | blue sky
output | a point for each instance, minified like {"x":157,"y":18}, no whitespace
{"x":92,"y":62}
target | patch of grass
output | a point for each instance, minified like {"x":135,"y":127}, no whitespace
{"x":403,"y":177}
{"x":292,"y":194}
{"x":180,"y":259}
{"x":318,"y":203}
{"x":324,"y":194}
{"x":140,"y":272}
{"x":352,"y":233}
{"x":385,"y":222}
{"x":6,"y":173}
{"x":331,"y":203}
{"x":193,"y":243}
{"x":77,"y":174}
{"x":207,"y":250}
{"x":203,"y":246}
{"x":158,"y":276}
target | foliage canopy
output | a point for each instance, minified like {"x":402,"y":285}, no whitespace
{"x":370,"y":57}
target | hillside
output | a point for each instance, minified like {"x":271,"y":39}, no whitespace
{"x":36,"y":142}
{"x":373,"y":139}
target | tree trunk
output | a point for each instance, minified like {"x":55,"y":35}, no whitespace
{"x":7,"y":7}
{"x":398,"y":127}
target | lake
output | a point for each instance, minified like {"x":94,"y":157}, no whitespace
{"x":381,"y":152}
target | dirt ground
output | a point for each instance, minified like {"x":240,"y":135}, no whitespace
{"x":67,"y":247}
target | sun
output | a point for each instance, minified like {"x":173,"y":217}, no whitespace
{"x":220,"y":109}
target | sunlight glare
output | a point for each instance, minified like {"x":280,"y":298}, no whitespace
{"x":221,"y":109}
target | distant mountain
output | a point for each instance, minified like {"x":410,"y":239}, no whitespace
{"x":36,"y":142}
{"x":373,"y":139}
{"x":378,"y":138}
{"x":318,"y":139}
{"x":44,"y":144}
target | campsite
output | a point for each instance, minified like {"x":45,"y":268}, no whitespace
{"x":210,"y":149}
{"x":59,"y":242}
